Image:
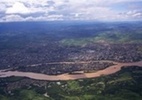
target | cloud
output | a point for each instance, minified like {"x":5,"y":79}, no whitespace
{"x":9,"y":18}
{"x":134,"y":14}
{"x":17,"y":7}
{"x":37,"y":10}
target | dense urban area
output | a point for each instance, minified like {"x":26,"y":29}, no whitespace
{"x":56,"y":48}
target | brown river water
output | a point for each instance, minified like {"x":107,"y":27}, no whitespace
{"x":110,"y":70}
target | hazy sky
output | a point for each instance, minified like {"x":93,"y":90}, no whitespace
{"x":44,"y":10}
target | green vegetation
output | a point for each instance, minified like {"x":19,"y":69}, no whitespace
{"x":30,"y":95}
{"x":25,"y":95}
{"x":123,"y":85}
{"x":107,"y":37}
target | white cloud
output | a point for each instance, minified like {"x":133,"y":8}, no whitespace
{"x":2,"y":7}
{"x":68,"y":9}
{"x":9,"y":18}
{"x":134,"y":14}
{"x":45,"y":18}
{"x":17,"y":8}
{"x":137,"y":15}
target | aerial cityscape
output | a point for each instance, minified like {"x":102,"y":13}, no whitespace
{"x":70,"y":50}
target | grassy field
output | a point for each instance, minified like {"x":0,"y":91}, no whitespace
{"x":107,"y":37}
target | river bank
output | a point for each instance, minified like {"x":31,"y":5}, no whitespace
{"x":110,"y":70}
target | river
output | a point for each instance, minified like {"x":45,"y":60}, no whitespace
{"x":110,"y":70}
